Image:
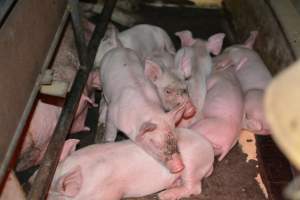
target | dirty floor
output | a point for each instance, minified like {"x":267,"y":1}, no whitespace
{"x":232,"y":179}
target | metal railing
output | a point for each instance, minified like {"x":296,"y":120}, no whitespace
{"x":86,"y":55}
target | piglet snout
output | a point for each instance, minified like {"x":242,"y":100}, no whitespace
{"x":190,"y":110}
{"x":175,"y":164}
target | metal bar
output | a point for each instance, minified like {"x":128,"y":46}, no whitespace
{"x":46,"y":172}
{"x":4,"y":9}
{"x":101,"y":28}
{"x":32,"y":97}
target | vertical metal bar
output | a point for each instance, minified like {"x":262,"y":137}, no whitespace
{"x":101,"y":27}
{"x":46,"y":172}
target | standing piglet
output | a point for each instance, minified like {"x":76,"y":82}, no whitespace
{"x":222,"y":112}
{"x":254,"y":78}
{"x":93,"y":173}
{"x":134,"y":107}
{"x":195,"y":63}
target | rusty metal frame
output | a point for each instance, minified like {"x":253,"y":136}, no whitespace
{"x":87,"y":55}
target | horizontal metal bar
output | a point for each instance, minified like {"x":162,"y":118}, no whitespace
{"x":46,"y":172}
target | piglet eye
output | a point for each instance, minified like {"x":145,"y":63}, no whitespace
{"x":168,"y":91}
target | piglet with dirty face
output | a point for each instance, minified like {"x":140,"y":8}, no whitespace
{"x":112,"y":171}
{"x":134,"y":107}
{"x":171,"y":89}
{"x":254,"y":78}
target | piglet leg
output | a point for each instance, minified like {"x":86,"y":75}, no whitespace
{"x":191,"y":186}
{"x":102,"y":111}
{"x":101,"y":120}
{"x":111,"y":130}
{"x":181,"y":192}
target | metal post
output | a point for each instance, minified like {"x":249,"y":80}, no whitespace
{"x":46,"y":172}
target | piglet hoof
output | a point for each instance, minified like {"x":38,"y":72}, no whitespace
{"x":86,"y":128}
{"x":180,"y":192}
{"x":99,"y":134}
{"x":165,"y":195}
{"x":253,"y":125}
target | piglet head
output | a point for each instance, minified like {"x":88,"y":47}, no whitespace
{"x":171,"y":89}
{"x":158,"y":138}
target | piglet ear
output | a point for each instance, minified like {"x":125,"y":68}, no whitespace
{"x":111,"y":36}
{"x":88,"y":29}
{"x":115,"y":38}
{"x":94,"y":79}
{"x":152,"y":70}
{"x":176,"y":114}
{"x":251,"y":40}
{"x":183,"y":63}
{"x":147,"y":127}
{"x":186,"y":38}
{"x":215,"y":43}
{"x":70,"y":184}
{"x":68,"y":148}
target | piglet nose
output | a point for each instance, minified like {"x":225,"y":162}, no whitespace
{"x":190,"y":110}
{"x":175,"y":164}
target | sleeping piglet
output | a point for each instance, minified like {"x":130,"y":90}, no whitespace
{"x":254,"y":77}
{"x":222,"y":112}
{"x":122,"y":169}
{"x":41,"y":128}
{"x":195,"y":63}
